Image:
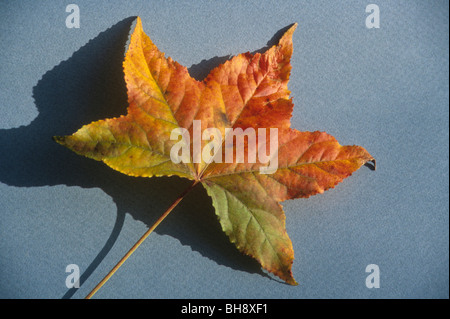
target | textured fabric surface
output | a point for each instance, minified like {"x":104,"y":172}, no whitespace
{"x":386,"y":89}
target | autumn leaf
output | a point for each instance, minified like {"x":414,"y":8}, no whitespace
{"x":248,"y":92}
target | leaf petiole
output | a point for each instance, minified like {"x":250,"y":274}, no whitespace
{"x":140,"y":241}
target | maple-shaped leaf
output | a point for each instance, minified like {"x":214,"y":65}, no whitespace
{"x":248,"y":92}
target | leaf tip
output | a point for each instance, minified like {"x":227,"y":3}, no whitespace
{"x":292,"y":28}
{"x":286,"y":38}
{"x":136,"y":25}
{"x":287,"y":276}
{"x":138,"y":20}
{"x":291,"y":281}
{"x":59,"y":139}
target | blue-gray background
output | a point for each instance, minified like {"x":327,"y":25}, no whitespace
{"x":385,"y":89}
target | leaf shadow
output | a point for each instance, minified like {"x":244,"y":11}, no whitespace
{"x":90,"y":86}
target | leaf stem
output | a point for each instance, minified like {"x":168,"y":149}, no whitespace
{"x":140,"y":241}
